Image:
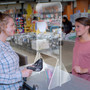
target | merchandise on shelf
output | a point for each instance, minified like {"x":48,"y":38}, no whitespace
{"x":29,"y":26}
{"x":40,"y":27}
{"x":69,"y":37}
{"x":34,"y":41}
{"x":20,"y":24}
{"x":77,"y":15}
{"x":28,"y":20}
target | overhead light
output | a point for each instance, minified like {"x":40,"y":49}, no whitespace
{"x":5,"y":3}
{"x":41,"y":0}
{"x":21,"y":1}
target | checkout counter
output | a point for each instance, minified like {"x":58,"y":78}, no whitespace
{"x":74,"y":84}
{"x":43,"y":82}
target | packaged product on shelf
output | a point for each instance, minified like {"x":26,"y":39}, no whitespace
{"x":40,"y":44}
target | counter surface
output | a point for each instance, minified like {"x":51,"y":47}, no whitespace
{"x":42,"y":81}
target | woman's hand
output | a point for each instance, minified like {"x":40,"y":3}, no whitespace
{"x":26,"y":72}
{"x":80,"y":70}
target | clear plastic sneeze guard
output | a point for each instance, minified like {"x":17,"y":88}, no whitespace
{"x":51,"y":14}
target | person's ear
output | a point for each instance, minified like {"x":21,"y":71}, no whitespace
{"x":3,"y":27}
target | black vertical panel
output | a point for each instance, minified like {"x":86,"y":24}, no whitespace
{"x":73,"y":7}
{"x":22,"y":9}
{"x":49,"y":0}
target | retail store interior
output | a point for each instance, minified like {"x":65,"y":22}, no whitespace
{"x":39,"y":28}
{"x":25,"y":11}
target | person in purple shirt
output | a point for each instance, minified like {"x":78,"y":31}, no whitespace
{"x":81,"y":50}
{"x":11,"y":77}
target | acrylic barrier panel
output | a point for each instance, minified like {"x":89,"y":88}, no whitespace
{"x":60,"y":76}
{"x":51,"y":14}
{"x":41,"y":7}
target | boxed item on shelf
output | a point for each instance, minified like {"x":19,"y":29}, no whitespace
{"x":40,"y":44}
{"x":70,"y":37}
{"x":84,"y":14}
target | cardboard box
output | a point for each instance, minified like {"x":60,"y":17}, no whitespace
{"x":40,"y":44}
